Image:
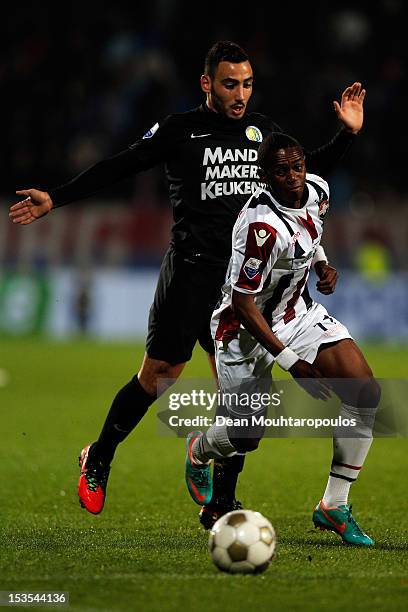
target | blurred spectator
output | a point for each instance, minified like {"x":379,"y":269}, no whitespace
{"x":82,"y":304}
{"x":373,"y":255}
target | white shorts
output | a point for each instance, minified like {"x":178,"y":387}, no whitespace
{"x":244,"y":358}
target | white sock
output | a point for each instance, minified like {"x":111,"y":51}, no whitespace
{"x":336,"y":493}
{"x":349,"y":454}
{"x":199,"y":458}
{"x":198,"y":461}
{"x":213,"y":444}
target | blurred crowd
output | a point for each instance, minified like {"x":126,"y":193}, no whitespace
{"x":82,"y":82}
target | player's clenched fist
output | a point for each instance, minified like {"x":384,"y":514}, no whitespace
{"x":327,"y":277}
{"x":36,"y":204}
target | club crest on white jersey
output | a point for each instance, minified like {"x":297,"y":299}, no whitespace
{"x":252,"y":267}
{"x":273,"y":248}
{"x":261,"y":237}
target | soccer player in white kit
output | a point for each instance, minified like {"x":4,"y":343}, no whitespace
{"x":266,"y":315}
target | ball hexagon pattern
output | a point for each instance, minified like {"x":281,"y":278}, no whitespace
{"x":242,"y":542}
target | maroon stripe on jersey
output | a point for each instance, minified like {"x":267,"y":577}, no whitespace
{"x":276,"y":297}
{"x":309,"y":225}
{"x":260,"y":241}
{"x":289,"y":313}
{"x":228,"y":325}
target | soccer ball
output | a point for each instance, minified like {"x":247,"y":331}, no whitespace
{"x":242,"y":542}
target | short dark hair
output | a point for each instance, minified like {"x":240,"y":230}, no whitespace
{"x":223,"y":51}
{"x":271,"y":144}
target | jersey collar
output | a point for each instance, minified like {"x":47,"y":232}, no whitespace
{"x":305,"y":197}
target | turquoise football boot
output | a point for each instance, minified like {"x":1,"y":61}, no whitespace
{"x":340,"y":520}
{"x":198,"y":475}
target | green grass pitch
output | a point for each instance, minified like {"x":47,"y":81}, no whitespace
{"x":146,"y":551}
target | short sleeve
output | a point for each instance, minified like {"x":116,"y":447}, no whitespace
{"x":255,"y":250}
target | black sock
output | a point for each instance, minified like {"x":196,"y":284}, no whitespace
{"x":128,"y":408}
{"x":225,"y":477}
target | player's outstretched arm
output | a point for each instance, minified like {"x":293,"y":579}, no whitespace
{"x":36,"y":204}
{"x":350,"y":110}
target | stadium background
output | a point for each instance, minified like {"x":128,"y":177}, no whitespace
{"x":82,"y":87}
{"x":80,"y":82}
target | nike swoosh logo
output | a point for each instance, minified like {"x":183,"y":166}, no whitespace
{"x":119,"y":429}
{"x":199,"y":135}
{"x":200,"y":498}
{"x":260,"y":240}
{"x":339,"y":528}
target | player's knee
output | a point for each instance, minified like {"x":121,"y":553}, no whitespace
{"x":149,"y":384}
{"x":370,"y":394}
{"x":154,"y":371}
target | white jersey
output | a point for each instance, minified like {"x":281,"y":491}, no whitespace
{"x":272,"y":252}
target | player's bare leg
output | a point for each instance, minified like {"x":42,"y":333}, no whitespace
{"x":360,"y":394}
{"x":128,"y":408}
{"x":153,"y":370}
{"x":343,"y":359}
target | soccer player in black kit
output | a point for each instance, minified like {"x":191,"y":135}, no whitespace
{"x":210,"y":156}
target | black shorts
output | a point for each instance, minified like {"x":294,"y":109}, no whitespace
{"x":186,"y":294}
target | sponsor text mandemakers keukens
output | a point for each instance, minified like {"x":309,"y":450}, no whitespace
{"x":214,"y":161}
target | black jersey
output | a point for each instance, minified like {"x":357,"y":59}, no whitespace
{"x":211,"y":169}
